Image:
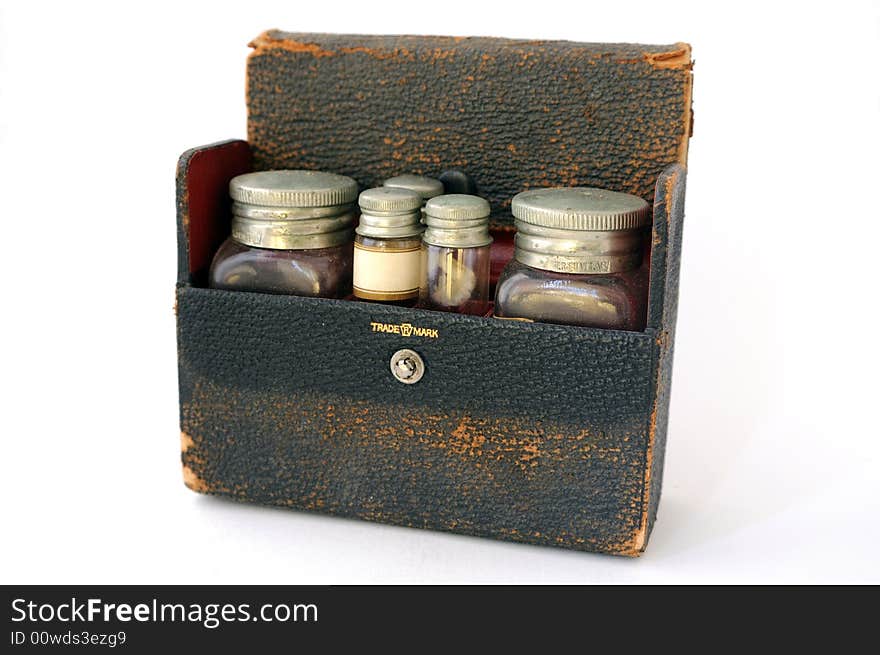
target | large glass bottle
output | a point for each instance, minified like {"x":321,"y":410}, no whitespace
{"x":577,"y":260}
{"x":292,"y":233}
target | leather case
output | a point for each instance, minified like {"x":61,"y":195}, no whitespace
{"x":529,"y":432}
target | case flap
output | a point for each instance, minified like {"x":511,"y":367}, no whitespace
{"x":515,"y":114}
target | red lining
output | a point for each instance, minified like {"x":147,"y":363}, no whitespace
{"x":207,"y":220}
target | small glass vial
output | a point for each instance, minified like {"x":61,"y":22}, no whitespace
{"x":292,"y":234}
{"x":455,"y":255}
{"x":577,"y":259}
{"x":387,"y":257}
{"x":426,"y":187}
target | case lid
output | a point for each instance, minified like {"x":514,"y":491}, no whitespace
{"x":514,"y":114}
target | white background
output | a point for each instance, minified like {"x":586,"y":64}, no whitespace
{"x":772,"y":464}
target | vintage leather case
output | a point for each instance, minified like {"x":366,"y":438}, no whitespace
{"x":538,"y":433}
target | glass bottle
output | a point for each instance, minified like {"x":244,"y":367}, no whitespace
{"x":577,"y":259}
{"x":292,"y":234}
{"x":455,"y":255}
{"x":426,"y":187}
{"x":387,"y":258}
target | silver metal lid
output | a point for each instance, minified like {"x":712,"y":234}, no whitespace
{"x":458,"y":206}
{"x":389,"y":199}
{"x":293,"y":188}
{"x":426,"y":187}
{"x":581,"y":208}
{"x":390,"y":213}
{"x":292,"y":210}
{"x":457,"y":220}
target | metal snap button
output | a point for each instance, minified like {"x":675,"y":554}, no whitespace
{"x":407,"y":366}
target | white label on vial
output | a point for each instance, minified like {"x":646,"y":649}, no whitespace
{"x":386,"y":275}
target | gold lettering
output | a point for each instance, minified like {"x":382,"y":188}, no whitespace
{"x":405,"y":329}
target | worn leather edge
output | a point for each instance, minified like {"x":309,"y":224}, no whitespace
{"x":668,"y":56}
{"x":665,"y":268}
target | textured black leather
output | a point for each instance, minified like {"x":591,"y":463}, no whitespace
{"x":515,"y":114}
{"x":520,"y":431}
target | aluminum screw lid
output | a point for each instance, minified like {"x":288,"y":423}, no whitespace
{"x":581,"y":208}
{"x":426,"y":187}
{"x":457,"y":206}
{"x":384,"y":199}
{"x":293,"y":188}
{"x":457,"y":220}
{"x":390,"y":213}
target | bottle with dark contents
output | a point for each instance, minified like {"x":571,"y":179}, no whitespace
{"x":577,"y":259}
{"x":292,"y":233}
{"x":426,"y":187}
{"x":387,"y":248}
{"x":455,"y":255}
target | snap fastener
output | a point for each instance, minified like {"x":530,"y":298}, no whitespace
{"x":407,"y":366}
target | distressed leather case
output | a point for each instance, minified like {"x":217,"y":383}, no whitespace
{"x":528,"y":432}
